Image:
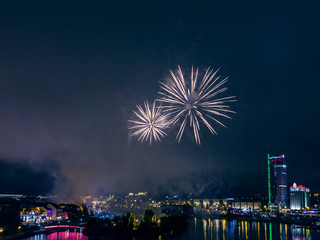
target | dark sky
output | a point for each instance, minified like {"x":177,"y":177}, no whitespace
{"x":71,"y":73}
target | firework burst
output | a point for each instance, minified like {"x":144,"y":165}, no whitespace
{"x":149,"y":124}
{"x":195,"y":101}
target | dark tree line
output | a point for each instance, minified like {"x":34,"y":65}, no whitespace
{"x":9,"y":220}
{"x":125,"y":226}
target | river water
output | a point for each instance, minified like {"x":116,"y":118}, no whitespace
{"x":200,"y":229}
{"x":66,"y":235}
{"x":244,"y":230}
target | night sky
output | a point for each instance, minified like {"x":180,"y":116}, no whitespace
{"x":71,"y":74}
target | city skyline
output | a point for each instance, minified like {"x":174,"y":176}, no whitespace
{"x":71,"y":73}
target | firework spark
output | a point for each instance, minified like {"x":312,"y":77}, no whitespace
{"x":150,"y":123}
{"x":195,"y":101}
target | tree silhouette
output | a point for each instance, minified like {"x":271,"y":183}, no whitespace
{"x":10,"y":220}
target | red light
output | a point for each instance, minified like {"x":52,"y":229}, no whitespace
{"x":277,"y":160}
{"x":282,"y":156}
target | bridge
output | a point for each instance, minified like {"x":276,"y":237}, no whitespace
{"x":54,"y":227}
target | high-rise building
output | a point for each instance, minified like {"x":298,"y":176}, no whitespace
{"x":277,"y":181}
{"x":299,"y":197}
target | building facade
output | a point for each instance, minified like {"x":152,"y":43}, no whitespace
{"x":299,"y":197}
{"x":245,"y":206}
{"x":277,"y":181}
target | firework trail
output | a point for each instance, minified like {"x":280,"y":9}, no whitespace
{"x":195,"y":102}
{"x":150,"y":123}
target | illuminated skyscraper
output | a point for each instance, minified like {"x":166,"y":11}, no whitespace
{"x":299,"y":197}
{"x":277,"y":181}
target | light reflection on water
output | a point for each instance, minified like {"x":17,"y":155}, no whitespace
{"x":67,"y":235}
{"x":216,"y":229}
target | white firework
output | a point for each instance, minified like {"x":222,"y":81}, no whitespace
{"x":150,"y":123}
{"x":183,"y":100}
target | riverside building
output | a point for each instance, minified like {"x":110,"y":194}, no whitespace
{"x":299,"y":197}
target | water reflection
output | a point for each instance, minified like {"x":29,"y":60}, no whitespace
{"x":67,"y":235}
{"x":224,"y":228}
{"x":215,"y":229}
{"x":205,"y":229}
